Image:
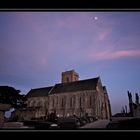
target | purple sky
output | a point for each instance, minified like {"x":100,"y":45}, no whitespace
{"x":35,"y":47}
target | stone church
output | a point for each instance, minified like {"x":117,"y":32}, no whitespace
{"x":70,"y":97}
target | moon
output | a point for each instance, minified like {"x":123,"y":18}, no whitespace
{"x":95,"y":18}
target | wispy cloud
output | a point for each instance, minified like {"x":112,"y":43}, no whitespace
{"x":104,"y":35}
{"x":107,"y":55}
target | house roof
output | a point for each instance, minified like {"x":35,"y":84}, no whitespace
{"x":81,"y":85}
{"x":88,"y":84}
{"x":39,"y":92}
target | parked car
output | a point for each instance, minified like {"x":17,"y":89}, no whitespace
{"x":68,"y":123}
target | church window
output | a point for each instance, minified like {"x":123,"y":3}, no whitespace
{"x":62,"y":105}
{"x":53,"y":103}
{"x":31,"y":103}
{"x":39,"y":104}
{"x":70,"y":102}
{"x":80,"y":102}
{"x":57,"y":101}
{"x":67,"y":79}
{"x":90,"y":101}
{"x":74,"y":100}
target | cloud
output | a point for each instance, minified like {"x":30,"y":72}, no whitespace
{"x":107,"y":55}
{"x":103,"y":35}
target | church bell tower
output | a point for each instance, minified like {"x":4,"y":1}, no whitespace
{"x":69,"y":76}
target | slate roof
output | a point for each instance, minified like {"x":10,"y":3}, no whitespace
{"x":88,"y":84}
{"x":39,"y":92}
{"x":81,"y":85}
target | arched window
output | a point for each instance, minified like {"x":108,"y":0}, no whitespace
{"x":35,"y":103}
{"x":39,"y":104}
{"x":67,"y":78}
{"x":90,"y":101}
{"x":71,"y":102}
{"x":56,"y":101}
{"x":80,"y":102}
{"x":74,"y":101}
{"x":31,"y":103}
{"x":53,"y":103}
{"x":62,"y":103}
{"x":43,"y":103}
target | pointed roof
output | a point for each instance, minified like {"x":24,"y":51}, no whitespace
{"x":39,"y":92}
{"x":88,"y":84}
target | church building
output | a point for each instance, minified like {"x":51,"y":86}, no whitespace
{"x":70,"y":97}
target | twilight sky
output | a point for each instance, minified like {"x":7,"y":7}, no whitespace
{"x":35,"y":47}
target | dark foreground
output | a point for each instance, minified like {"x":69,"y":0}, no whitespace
{"x":69,"y":124}
{"x":130,"y":124}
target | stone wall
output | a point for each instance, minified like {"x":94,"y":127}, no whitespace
{"x":39,"y":105}
{"x":95,"y":103}
{"x":91,"y":102}
{"x":37,"y":102}
{"x":73,"y":103}
{"x":107,"y":109}
{"x":103,"y":104}
{"x":22,"y":114}
{"x":36,"y":107}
